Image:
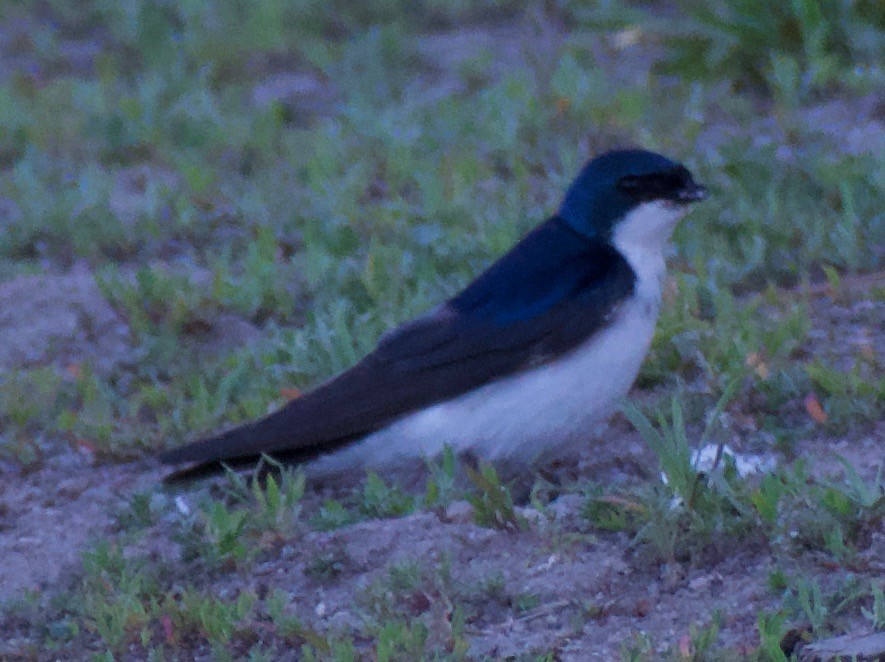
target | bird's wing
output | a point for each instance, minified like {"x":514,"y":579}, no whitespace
{"x":539,"y":301}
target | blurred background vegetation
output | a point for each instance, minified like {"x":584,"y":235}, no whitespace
{"x":311,"y":173}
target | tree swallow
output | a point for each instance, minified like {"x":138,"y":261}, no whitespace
{"x":526,"y":363}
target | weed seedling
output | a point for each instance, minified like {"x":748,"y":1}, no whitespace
{"x":274,"y":502}
{"x":380,"y":500}
{"x":492,"y":503}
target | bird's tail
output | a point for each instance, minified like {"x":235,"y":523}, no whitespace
{"x":263,"y":436}
{"x":277,"y":435}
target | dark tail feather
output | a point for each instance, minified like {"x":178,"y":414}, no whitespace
{"x":275,"y":436}
{"x":216,"y":467}
{"x":267,"y":435}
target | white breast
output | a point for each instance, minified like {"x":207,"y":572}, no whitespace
{"x":546,"y":410}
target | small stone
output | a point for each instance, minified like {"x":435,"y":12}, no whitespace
{"x":459,"y":512}
{"x":617,"y":565}
{"x":567,"y":505}
{"x":182,"y":506}
{"x":854,"y":646}
{"x":642,"y":608}
{"x":70,"y":488}
{"x":532,"y":516}
{"x":699,"y":583}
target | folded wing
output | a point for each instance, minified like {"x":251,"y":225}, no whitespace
{"x":542,"y":299}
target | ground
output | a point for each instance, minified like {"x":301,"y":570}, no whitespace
{"x":204,"y":212}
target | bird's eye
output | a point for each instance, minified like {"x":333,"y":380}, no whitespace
{"x":654,"y":186}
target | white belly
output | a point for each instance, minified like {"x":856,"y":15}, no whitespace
{"x":544,"y":411}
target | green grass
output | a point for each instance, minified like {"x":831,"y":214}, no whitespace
{"x":693,"y":512}
{"x":376,"y":185}
{"x":345,"y":223}
{"x":491,"y":500}
{"x":797,"y":47}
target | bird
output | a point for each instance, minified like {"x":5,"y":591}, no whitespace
{"x":526,"y":363}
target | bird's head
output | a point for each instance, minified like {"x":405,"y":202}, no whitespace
{"x":631,"y":196}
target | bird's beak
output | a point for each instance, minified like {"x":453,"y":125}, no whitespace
{"x":691,"y":193}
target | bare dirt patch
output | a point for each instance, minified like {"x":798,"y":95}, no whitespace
{"x":59,"y":319}
{"x":47,"y":519}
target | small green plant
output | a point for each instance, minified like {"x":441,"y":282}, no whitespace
{"x":494,"y":586}
{"x":275,"y":502}
{"x":700,"y":645}
{"x":612,"y":512}
{"x":729,"y":341}
{"x":778,"y":580}
{"x":441,"y":489}
{"x":115,"y":596}
{"x":327,"y":565}
{"x":411,"y":602}
{"x":158,"y":301}
{"x":291,"y":628}
{"x":811,"y":601}
{"x":256,"y":289}
{"x":380,"y":500}
{"x":703,"y":639}
{"x":522,"y":602}
{"x":804,"y":600}
{"x":216,"y":619}
{"x":865,"y":496}
{"x":849,"y":396}
{"x":28,"y":400}
{"x":26,"y":397}
{"x":876,"y":614}
{"x":401,"y":641}
{"x":116,"y":621}
{"x":766,"y":498}
{"x":332,"y":515}
{"x":223,"y":539}
{"x":139,"y":515}
{"x":691,"y":508}
{"x":399,"y":595}
{"x":798,"y":511}
{"x":492,"y":502}
{"x":771,"y":632}
{"x":278,"y":504}
{"x":671,"y":446}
